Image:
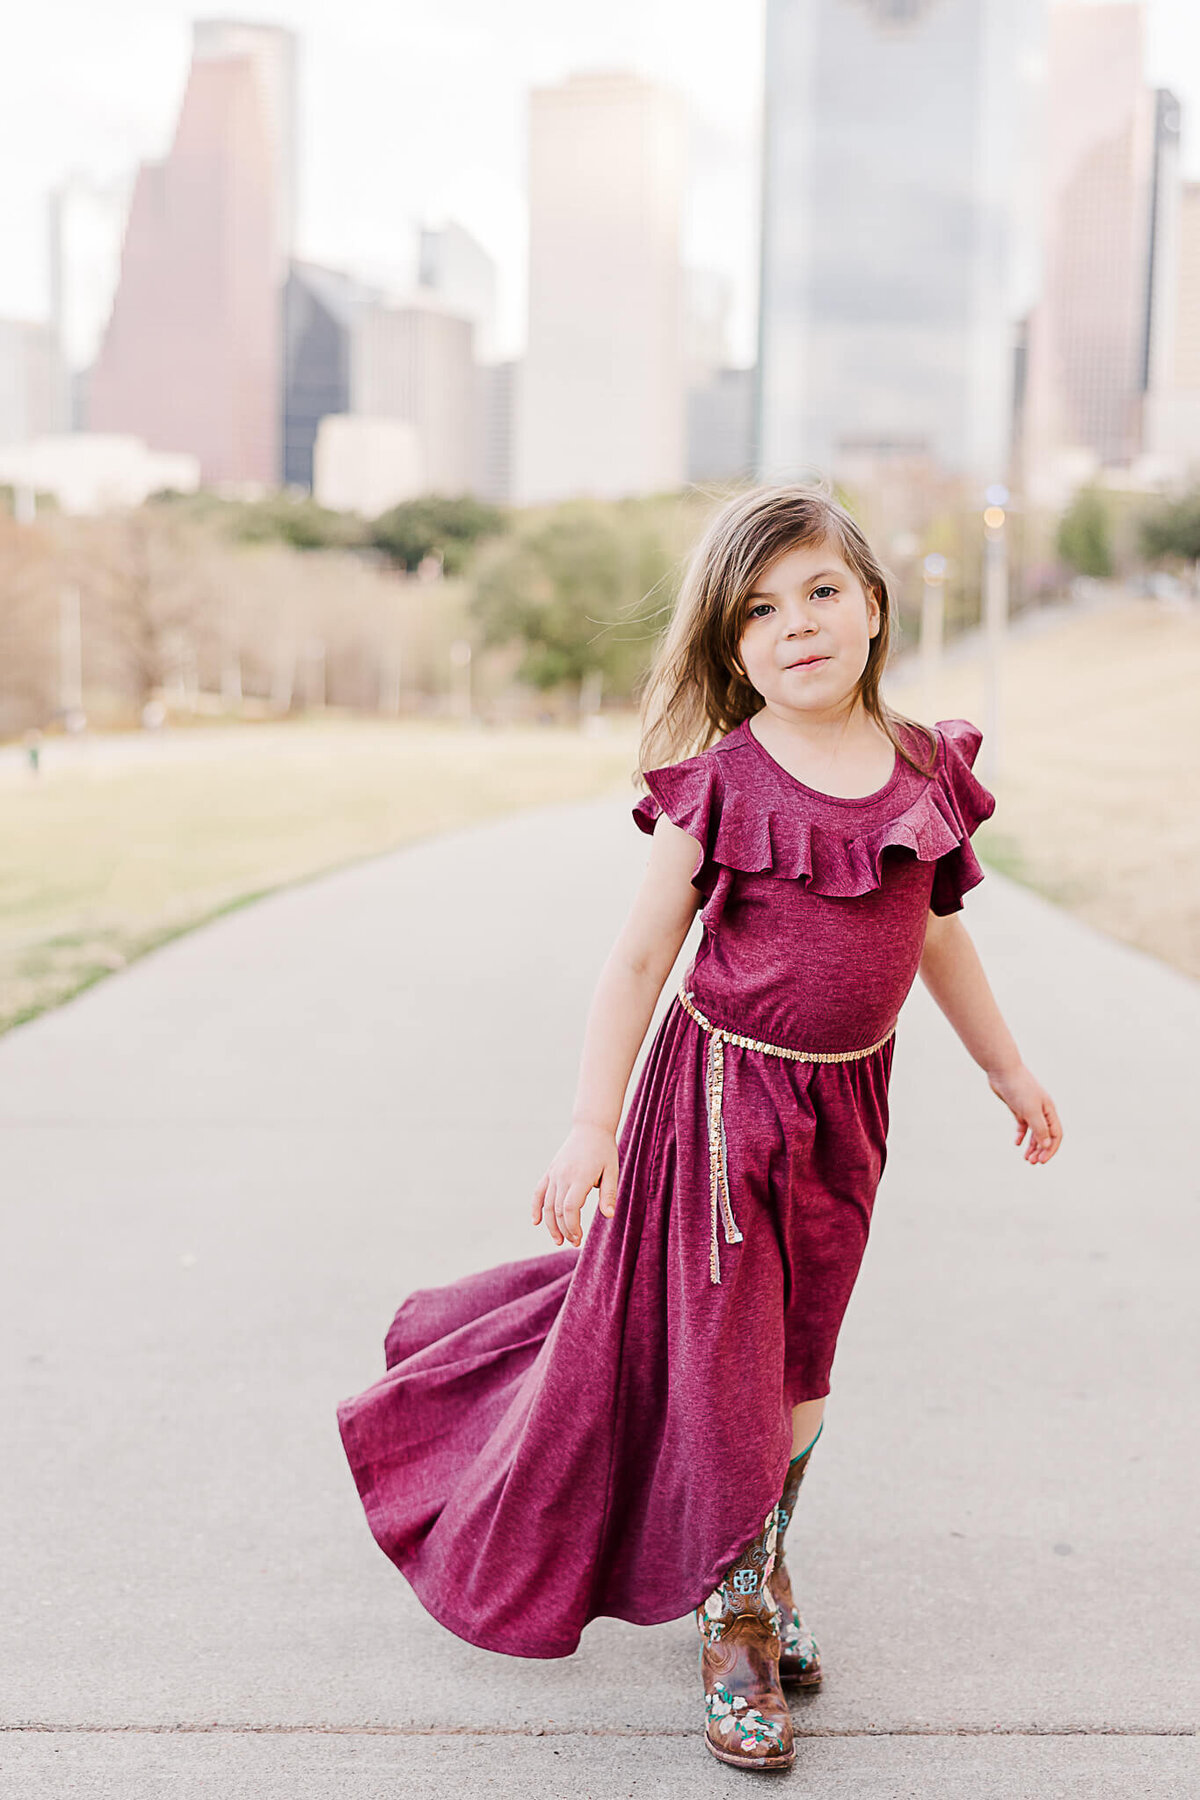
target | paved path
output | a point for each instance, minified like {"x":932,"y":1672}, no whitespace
{"x":223,"y":1169}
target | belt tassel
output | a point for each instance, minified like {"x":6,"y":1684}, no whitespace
{"x":720,"y":1205}
{"x":718,"y":1153}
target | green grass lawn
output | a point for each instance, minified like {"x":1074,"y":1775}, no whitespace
{"x":120,"y":844}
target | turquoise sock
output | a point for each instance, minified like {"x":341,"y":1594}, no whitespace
{"x":808,"y":1447}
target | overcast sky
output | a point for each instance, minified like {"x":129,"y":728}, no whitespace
{"x":415,"y":109}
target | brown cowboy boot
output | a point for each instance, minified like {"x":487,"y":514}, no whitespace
{"x":799,"y":1657}
{"x":748,"y":1723}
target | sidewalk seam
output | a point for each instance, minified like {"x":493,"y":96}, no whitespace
{"x":45,"y":1727}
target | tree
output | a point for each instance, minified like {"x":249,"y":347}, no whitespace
{"x":1173,"y":531}
{"x":145,"y":591}
{"x":29,"y":623}
{"x":571,"y":591}
{"x":297,"y":520}
{"x":1084,"y":535}
{"x":434,"y":526}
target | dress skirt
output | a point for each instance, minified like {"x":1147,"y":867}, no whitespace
{"x":601,"y":1431}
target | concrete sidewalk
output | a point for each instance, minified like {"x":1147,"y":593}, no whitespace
{"x":224,"y":1169}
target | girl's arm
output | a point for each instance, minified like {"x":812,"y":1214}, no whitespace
{"x":622,"y":1007}
{"x":951,"y":970}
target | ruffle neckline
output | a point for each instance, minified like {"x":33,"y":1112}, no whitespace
{"x":751,"y":815}
{"x":839,"y":803}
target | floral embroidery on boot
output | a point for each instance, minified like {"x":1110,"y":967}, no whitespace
{"x":739,"y":1722}
{"x":800,"y":1659}
{"x":747,"y":1721}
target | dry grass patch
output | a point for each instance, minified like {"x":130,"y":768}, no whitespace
{"x":1100,"y":765}
{"x":121,"y":844}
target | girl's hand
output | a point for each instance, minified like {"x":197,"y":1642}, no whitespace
{"x":587,"y":1160}
{"x":1032,"y":1108}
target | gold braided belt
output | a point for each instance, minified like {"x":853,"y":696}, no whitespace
{"x":714,"y":1087}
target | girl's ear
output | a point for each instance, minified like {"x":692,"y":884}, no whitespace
{"x":874,"y":613}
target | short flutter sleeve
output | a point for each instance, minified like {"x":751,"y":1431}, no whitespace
{"x":958,"y":869}
{"x":690,"y":795}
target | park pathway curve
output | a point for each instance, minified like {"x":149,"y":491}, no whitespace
{"x":224,"y":1168}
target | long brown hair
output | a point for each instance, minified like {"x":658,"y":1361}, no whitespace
{"x":697,"y":690}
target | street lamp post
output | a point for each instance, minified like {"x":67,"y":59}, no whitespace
{"x":995,"y":624}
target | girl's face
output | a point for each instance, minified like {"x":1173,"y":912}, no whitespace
{"x":808,"y":629}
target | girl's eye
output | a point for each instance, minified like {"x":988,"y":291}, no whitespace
{"x":824,"y":590}
{"x":759,"y":611}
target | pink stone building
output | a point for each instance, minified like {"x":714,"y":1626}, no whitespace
{"x":1089,"y":333}
{"x":190,"y":359}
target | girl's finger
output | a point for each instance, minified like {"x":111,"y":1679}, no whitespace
{"x":608,"y":1189}
{"x":560,"y":1209}
{"x":572,"y":1207}
{"x":1053,"y":1130}
{"x":539,"y":1197}
{"x":1040,"y":1136}
{"x":552,"y":1225}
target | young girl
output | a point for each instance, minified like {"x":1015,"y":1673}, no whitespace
{"x":621,"y":1426}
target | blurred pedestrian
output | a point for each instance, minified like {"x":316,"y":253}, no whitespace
{"x":621,"y":1427}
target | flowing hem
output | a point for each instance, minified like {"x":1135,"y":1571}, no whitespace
{"x":408,"y":1565}
{"x":480,"y":1640}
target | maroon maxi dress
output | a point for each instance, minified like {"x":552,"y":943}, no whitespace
{"x":602,"y":1430}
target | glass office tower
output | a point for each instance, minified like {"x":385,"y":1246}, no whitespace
{"x":899,"y":230}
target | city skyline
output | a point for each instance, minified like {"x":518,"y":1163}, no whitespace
{"x":382,"y":152}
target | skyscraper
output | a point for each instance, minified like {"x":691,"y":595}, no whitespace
{"x":319,"y":308}
{"x":600,"y":400}
{"x":1096,"y":333}
{"x":720,"y":399}
{"x":1187,"y":341}
{"x":191,"y":357}
{"x":414,"y":361}
{"x":271,"y":52}
{"x":455,"y":266}
{"x":1162,"y":248}
{"x":496,"y":385}
{"x":720,"y":428}
{"x":1172,"y":419}
{"x":897,"y":239}
{"x":32,"y":388}
{"x":87,"y":223}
